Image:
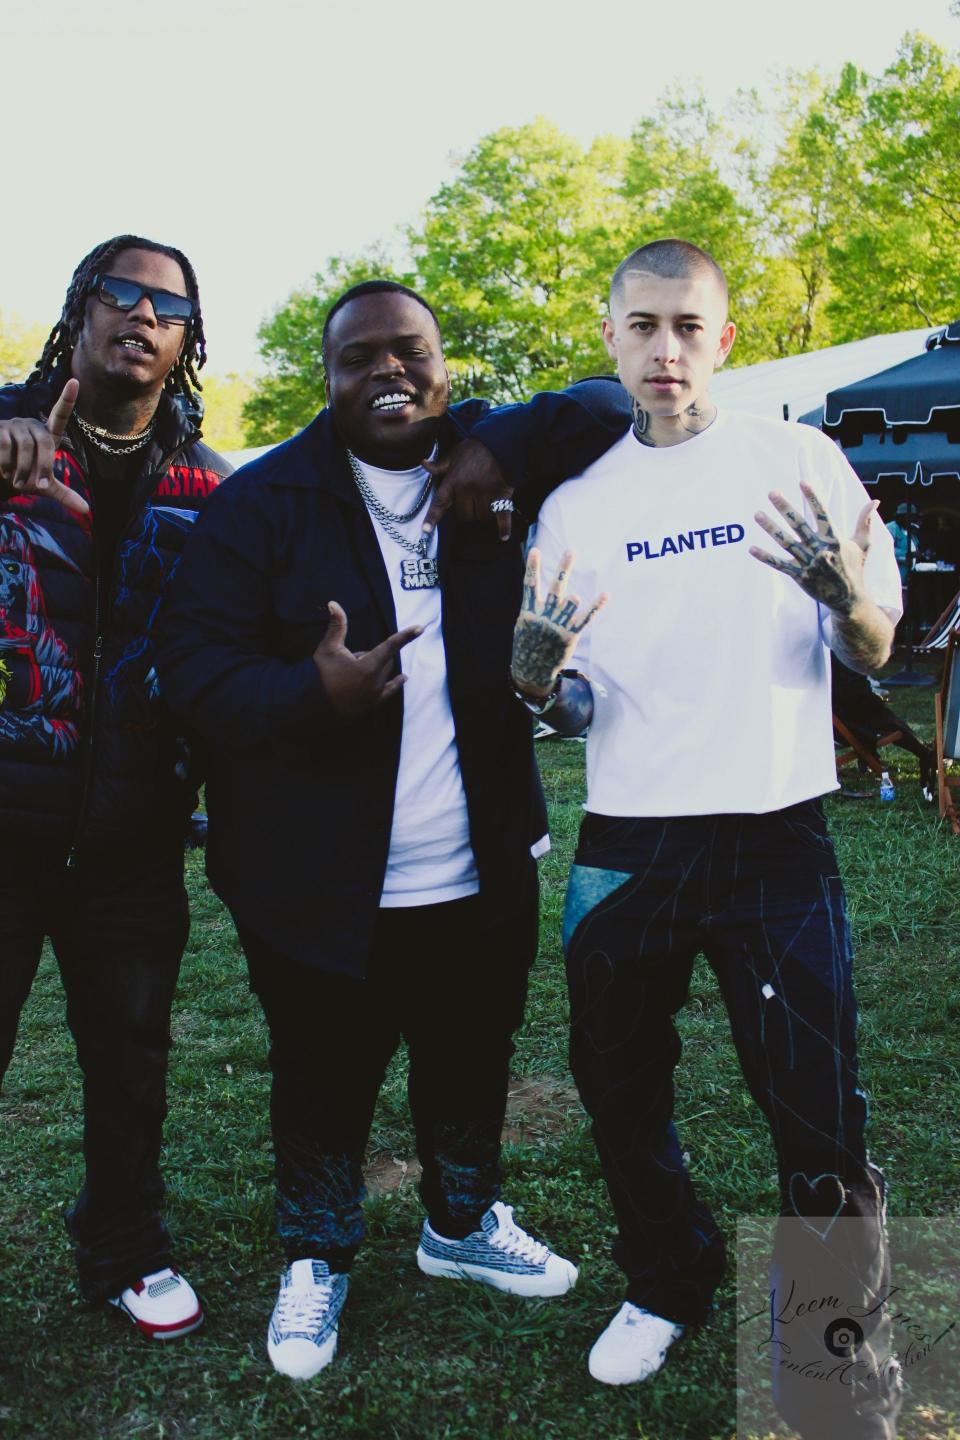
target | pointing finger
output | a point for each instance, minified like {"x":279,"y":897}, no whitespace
{"x":383,"y":653}
{"x":59,"y":416}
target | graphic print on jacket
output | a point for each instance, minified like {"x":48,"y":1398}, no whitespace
{"x":40,"y":683}
{"x":143,"y":575}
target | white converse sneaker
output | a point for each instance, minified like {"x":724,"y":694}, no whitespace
{"x":162,"y":1306}
{"x":498,"y":1254}
{"x":633,"y":1346}
{"x":302,"y":1336}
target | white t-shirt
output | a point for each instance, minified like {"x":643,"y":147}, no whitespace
{"x":430,"y":859}
{"x":711,"y":676}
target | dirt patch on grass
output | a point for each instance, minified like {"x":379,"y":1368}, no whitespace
{"x":536,"y":1109}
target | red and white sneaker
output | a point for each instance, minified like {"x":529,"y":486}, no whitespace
{"x":162,"y":1306}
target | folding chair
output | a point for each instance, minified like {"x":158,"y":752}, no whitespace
{"x":859,"y":754}
{"x":947,"y":702}
{"x":937,"y":636}
{"x":865,"y":724}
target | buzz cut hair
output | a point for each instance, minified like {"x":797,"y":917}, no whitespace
{"x":672,"y":260}
{"x":372,"y":287}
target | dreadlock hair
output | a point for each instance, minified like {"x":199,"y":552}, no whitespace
{"x":371,"y":287}
{"x":63,"y":337}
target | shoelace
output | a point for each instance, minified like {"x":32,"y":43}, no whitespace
{"x":303,"y":1309}
{"x":514,"y":1241}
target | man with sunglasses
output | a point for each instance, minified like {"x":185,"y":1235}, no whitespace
{"x":101,"y":475}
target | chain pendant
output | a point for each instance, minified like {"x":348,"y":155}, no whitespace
{"x":419,"y":573}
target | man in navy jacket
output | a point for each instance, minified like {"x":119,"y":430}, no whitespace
{"x":372,"y":832}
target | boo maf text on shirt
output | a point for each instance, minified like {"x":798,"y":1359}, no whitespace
{"x":686,"y":540}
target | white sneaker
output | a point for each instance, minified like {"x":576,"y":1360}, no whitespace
{"x":162,"y":1306}
{"x":633,"y":1346}
{"x":498,"y":1254}
{"x":302,"y":1336}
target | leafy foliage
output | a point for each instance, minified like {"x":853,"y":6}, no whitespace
{"x":835,"y":215}
{"x":20,"y":347}
{"x":224,"y":397}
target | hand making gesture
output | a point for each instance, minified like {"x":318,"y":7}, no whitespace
{"x":28,"y":449}
{"x":827,"y":569}
{"x":546,"y":632}
{"x":358,"y":681}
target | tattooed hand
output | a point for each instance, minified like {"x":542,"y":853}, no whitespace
{"x":545,"y":635}
{"x":827,"y":569}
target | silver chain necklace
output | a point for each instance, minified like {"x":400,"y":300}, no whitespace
{"x":420,"y":573}
{"x":100,"y":437}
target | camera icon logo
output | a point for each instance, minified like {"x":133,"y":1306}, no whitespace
{"x":843,"y":1338}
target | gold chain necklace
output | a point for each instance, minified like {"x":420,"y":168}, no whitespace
{"x":98,"y":436}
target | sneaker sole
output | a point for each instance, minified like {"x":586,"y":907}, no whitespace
{"x":528,"y":1285}
{"x":161,"y":1332}
{"x":324,"y":1354}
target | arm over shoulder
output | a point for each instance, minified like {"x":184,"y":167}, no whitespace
{"x":555,"y":435}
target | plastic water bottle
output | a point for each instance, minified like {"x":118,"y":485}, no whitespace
{"x":887,"y":791}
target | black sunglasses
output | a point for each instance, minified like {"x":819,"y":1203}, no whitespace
{"x":122,"y":294}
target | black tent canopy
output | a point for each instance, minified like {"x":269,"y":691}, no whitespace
{"x":903,"y":423}
{"x":923,"y":391}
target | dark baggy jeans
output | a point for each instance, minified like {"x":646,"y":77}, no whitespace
{"x":118,"y":925}
{"x":455,"y":992}
{"x":761,"y":897}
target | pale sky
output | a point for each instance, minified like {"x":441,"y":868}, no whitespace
{"x":262,"y":136}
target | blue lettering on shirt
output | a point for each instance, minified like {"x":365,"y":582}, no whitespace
{"x":686,"y":540}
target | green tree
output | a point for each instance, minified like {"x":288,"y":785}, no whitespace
{"x":20,"y":347}
{"x":515,"y":253}
{"x":291,"y":392}
{"x":687,"y":176}
{"x":224,"y":397}
{"x":804,"y":200}
{"x":898,"y":264}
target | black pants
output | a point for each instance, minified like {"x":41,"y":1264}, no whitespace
{"x":118,"y":925}
{"x":455,"y":992}
{"x":761,"y":897}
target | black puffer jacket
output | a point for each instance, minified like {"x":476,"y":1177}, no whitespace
{"x":87,"y":756}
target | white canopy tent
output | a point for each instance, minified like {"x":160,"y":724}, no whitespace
{"x":802,"y":382}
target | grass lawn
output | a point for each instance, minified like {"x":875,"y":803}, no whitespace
{"x":430,"y":1360}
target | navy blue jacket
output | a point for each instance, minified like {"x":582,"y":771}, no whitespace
{"x":300,"y":799}
{"x":86,"y":752}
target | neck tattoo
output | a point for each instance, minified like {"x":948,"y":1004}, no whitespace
{"x":701,"y":416}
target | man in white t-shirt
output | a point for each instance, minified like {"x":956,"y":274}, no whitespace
{"x":710,"y":743}
{"x":372,"y":832}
